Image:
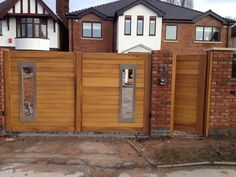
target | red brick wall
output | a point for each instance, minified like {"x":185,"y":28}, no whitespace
{"x":186,"y":38}
{"x":79,"y":44}
{"x":223,"y":103}
{"x":1,"y":92}
{"x":161,"y":95}
{"x":62,"y":7}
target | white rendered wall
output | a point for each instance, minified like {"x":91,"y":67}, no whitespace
{"x":32,"y":44}
{"x":25,"y":7}
{"x":138,"y":49}
{"x":53,"y":40}
{"x":125,"y":42}
{"x":54,"y":37}
{"x":8,"y":34}
{"x":17,"y":7}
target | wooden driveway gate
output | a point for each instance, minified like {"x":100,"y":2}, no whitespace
{"x":75,"y":92}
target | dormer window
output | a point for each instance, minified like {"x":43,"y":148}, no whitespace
{"x":31,"y":28}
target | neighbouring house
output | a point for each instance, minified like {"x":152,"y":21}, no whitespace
{"x":233,"y":36}
{"x":31,"y":25}
{"x":233,"y":44}
{"x":145,"y":25}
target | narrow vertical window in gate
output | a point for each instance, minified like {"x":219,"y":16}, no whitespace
{"x":27,"y":83}
{"x":127,"y":93}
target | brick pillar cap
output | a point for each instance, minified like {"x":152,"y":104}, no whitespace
{"x":220,"y":49}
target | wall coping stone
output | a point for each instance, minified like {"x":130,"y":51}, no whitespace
{"x":220,"y":49}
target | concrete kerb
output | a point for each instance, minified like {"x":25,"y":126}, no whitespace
{"x":197,"y":164}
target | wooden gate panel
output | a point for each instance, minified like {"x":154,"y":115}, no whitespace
{"x":76,"y":91}
{"x":54,"y":91}
{"x":190,"y":93}
{"x":101,"y":92}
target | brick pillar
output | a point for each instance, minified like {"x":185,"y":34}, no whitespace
{"x":161,"y":95}
{"x":222,"y":101}
{"x":2,"y":121}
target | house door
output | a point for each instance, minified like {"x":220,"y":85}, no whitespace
{"x":190,"y":93}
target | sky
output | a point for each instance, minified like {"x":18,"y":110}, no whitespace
{"x":225,"y":8}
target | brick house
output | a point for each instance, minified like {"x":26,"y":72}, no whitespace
{"x":233,"y":36}
{"x":145,"y":25}
{"x":30,"y":25}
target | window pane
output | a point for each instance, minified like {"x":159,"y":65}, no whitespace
{"x":127,"y":26}
{"x":207,"y":33}
{"x":199,"y":33}
{"x":36,"y":30}
{"x":234,"y":68}
{"x":23,"y":30}
{"x":97,"y":30}
{"x":171,"y":32}
{"x":216,"y":34}
{"x":30,"y":20}
{"x":152,"y":27}
{"x":43,"y":28}
{"x":43,"y":31}
{"x":18,"y":30}
{"x":30,"y":30}
{"x":23,"y":20}
{"x":140,"y":27}
{"x":36,"y":20}
{"x":87,"y":29}
{"x":0,"y":27}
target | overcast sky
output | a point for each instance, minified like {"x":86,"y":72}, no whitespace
{"x":222,"y":7}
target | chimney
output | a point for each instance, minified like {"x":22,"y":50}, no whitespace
{"x":62,"y":7}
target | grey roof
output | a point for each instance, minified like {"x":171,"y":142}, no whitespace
{"x":4,"y":5}
{"x":171,"y":12}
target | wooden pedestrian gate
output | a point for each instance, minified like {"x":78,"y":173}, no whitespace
{"x":76,"y":92}
{"x":189,"y":93}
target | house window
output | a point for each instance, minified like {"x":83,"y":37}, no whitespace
{"x":204,"y":33}
{"x":234,"y":68}
{"x":127,"y":25}
{"x":0,"y":27}
{"x":140,"y":24}
{"x":171,"y":32}
{"x":31,"y":28}
{"x":92,"y":30}
{"x":152,"y":26}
